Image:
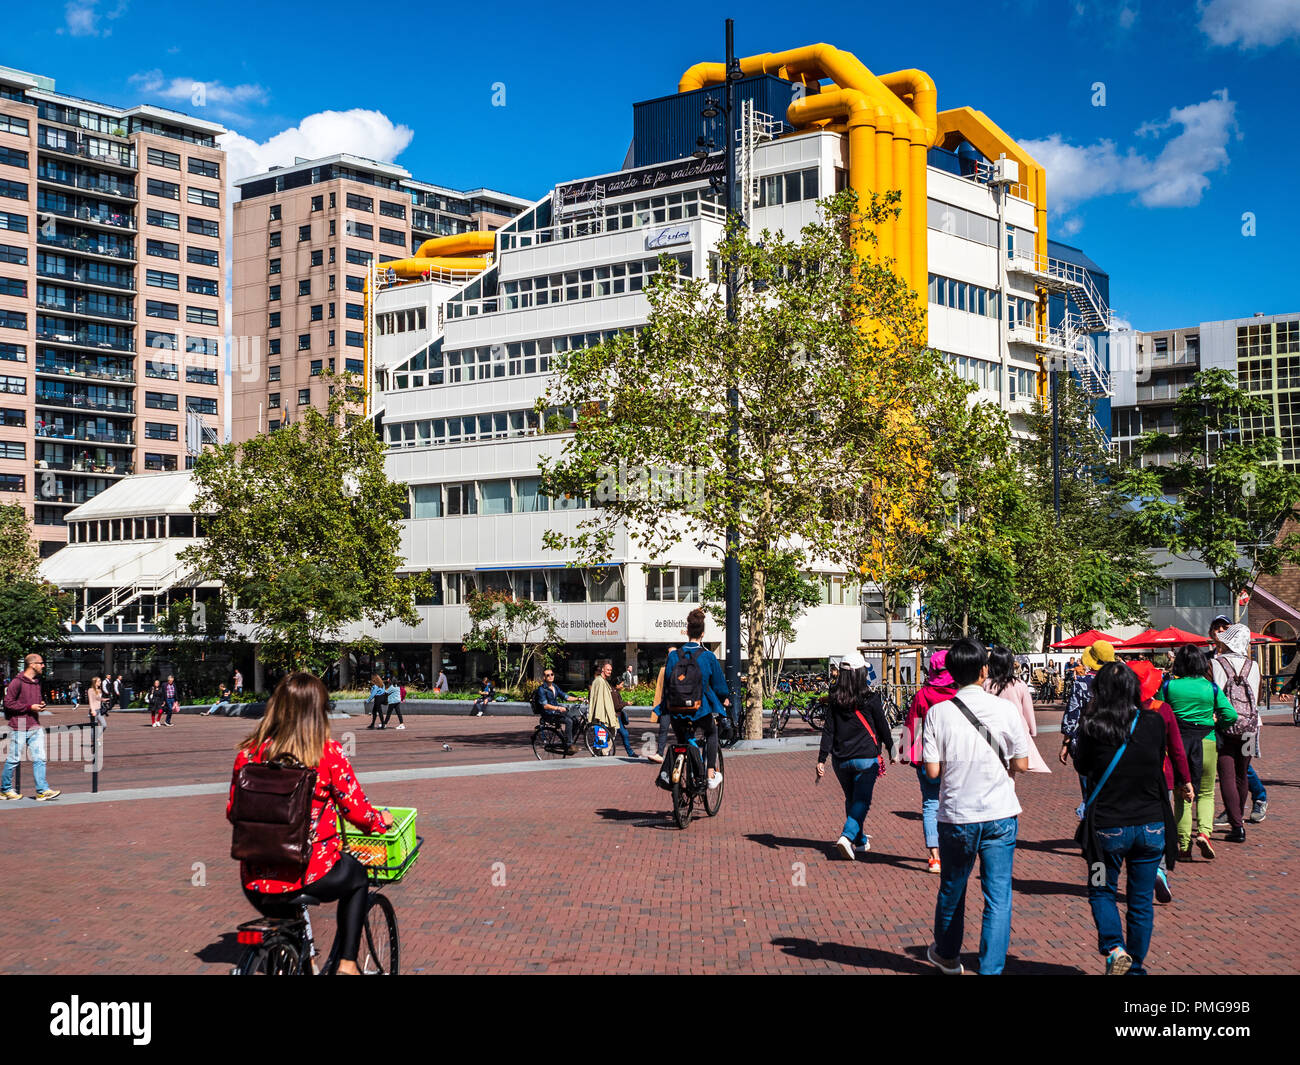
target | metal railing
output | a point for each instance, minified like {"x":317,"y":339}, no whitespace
{"x":118,"y":155}
{"x":76,"y":401}
{"x":91,"y":183}
{"x":75,"y":369}
{"x":84,"y":277}
{"x":82,"y":337}
{"x":82,"y":213}
{"x":90,"y":435}
{"x":84,"y":306}
{"x":89,"y":245}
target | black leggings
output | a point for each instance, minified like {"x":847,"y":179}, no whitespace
{"x":346,"y":883}
{"x":394,"y":708}
{"x":684,"y":728}
{"x":377,"y":712}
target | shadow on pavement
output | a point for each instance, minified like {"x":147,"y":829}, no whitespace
{"x":225,"y":950}
{"x":484,"y":739}
{"x":776,"y":843}
{"x":846,"y":954}
{"x":1050,"y":846}
{"x":639,"y":818}
{"x":1049,"y":887}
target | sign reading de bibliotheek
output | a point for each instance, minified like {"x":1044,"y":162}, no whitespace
{"x":667,"y":236}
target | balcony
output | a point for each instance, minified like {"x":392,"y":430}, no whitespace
{"x":1157,"y":393}
{"x":100,"y":184}
{"x":118,"y":155}
{"x":81,"y":401}
{"x":1165,"y":359}
{"x":93,"y":244}
{"x":95,"y":216}
{"x":84,"y":368}
{"x":88,"y":433}
{"x":100,"y":469}
{"x":83,"y":338}
{"x":91,"y":308}
{"x":78,"y":275}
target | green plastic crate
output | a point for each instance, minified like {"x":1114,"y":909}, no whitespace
{"x":385,"y":854}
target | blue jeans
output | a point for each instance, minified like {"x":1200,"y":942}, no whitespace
{"x":34,"y":741}
{"x":995,"y":844}
{"x":929,"y":807}
{"x":857,"y":777}
{"x":1257,"y":791}
{"x":1143,"y":846}
{"x":627,"y":741}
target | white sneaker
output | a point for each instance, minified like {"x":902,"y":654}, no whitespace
{"x":844,"y":847}
{"x":947,"y":966}
{"x":153,"y":724}
{"x":861,"y":848}
{"x":715,"y":781}
{"x":400,"y":727}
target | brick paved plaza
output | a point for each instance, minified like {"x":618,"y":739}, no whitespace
{"x":533,"y":868}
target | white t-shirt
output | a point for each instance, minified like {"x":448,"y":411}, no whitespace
{"x":974,"y":785}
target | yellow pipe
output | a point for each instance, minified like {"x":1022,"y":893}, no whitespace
{"x":476,"y":242}
{"x":884,"y":152}
{"x":445,"y":253}
{"x":917,"y":89}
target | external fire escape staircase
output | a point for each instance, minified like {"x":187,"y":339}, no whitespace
{"x":120,"y":598}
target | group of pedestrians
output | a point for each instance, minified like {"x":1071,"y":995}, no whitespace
{"x":386,"y":698}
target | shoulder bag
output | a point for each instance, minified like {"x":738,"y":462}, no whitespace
{"x":983,"y":730}
{"x":1084,"y":835}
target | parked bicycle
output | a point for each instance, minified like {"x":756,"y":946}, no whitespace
{"x":812,"y":713}
{"x":284,"y":945}
{"x":690,"y":780}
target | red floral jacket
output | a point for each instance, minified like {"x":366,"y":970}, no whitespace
{"x":336,"y":784}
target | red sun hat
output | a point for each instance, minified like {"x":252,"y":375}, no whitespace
{"x":1149,"y":676}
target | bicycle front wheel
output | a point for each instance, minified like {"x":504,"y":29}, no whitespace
{"x":713,"y":796}
{"x":378,"y":955}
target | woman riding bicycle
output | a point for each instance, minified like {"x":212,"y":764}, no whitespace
{"x":296,"y":724}
{"x":714,"y":695}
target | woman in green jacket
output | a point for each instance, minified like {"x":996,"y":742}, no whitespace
{"x":1200,"y":706}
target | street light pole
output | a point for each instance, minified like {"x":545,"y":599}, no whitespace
{"x":1056,"y":468}
{"x":731,"y":571}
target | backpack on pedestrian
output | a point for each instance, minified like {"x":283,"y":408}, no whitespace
{"x":1241,"y":698}
{"x":684,"y":685}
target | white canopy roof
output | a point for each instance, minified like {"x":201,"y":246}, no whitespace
{"x":141,"y":496}
{"x":115,"y":565}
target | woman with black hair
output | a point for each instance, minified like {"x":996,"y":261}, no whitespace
{"x":1200,"y":706}
{"x":1004,"y":682}
{"x":854,"y":736}
{"x":1120,"y":753}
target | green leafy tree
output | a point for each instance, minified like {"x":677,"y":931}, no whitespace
{"x":303,"y":536}
{"x":193,"y":631}
{"x":31,"y":610}
{"x":827,"y":354}
{"x":788,"y":595}
{"x":500,"y":622}
{"x":1225,"y":500}
{"x":1089,"y":568}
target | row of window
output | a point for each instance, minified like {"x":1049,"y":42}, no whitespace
{"x":562,"y":584}
{"x":398,"y":321}
{"x":168,"y":401}
{"x":959,"y":222}
{"x":1269,"y":338}
{"x":203,"y":227}
{"x":160,"y":341}
{"x":172,"y":161}
{"x":111,"y":530}
{"x":170,"y":190}
{"x":164,"y":249}
{"x":201,"y":286}
{"x":1189,"y":592}
{"x":538,"y":226}
{"x":519,"y":358}
{"x":513,"y":495}
{"x":195,"y":315}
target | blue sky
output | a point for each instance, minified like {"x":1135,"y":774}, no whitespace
{"x":1194,"y":133}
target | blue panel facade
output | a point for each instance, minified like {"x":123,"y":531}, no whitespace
{"x":1056,"y":311}
{"x":667,"y":128}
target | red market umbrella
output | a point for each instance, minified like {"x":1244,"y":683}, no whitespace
{"x":1264,"y":637}
{"x":1084,"y":639}
{"x":1155,"y":639}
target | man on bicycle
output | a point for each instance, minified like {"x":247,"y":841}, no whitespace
{"x":714,"y":697}
{"x":547,"y":699}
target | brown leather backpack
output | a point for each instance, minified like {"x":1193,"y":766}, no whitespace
{"x":271,"y":815}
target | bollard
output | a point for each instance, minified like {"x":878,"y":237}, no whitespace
{"x":96,"y":730}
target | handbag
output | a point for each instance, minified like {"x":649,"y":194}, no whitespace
{"x":880,"y":762}
{"x":1084,"y":835}
{"x":271,"y":815}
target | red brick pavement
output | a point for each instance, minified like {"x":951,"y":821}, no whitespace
{"x":597,"y":880}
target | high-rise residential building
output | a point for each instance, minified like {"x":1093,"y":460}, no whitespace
{"x":111,"y":310}
{"x":304,"y":236}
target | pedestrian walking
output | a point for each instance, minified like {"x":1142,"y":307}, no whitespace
{"x":603,"y":709}
{"x":620,"y":710}
{"x":396,"y":696}
{"x":1238,"y":675}
{"x":1099,"y":654}
{"x":23,"y":705}
{"x":171,"y":699}
{"x":486,"y":694}
{"x":973,"y":745}
{"x":857,"y":739}
{"x":938,"y":688}
{"x":1126,"y":819}
{"x":238,"y":681}
{"x":74,"y":693}
{"x":95,"y":702}
{"x":1258,"y":793}
{"x":377,"y":702}
{"x":1004,"y":681}
{"x":660,"y":715}
{"x":1200,"y":706}
{"x":442,"y":687}
{"x":157,"y":704}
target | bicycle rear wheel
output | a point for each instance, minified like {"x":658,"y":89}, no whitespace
{"x":682,"y":800}
{"x":270,"y":959}
{"x":548,"y":743}
{"x":378,"y":955}
{"x":713,"y":797}
{"x":817,"y":716}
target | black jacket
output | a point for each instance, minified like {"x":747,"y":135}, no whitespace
{"x":846,"y":737}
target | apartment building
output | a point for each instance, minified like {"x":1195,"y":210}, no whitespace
{"x":304,"y":236}
{"x":111,"y":311}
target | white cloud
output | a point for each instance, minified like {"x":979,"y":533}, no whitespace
{"x":370,"y":134}
{"x":1127,"y":16}
{"x":186,"y":89}
{"x":81,"y":18}
{"x":1175,"y":177}
{"x":1068,"y":227}
{"x":1249,"y":23}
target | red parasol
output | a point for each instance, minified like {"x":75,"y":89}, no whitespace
{"x":1156,"y":639}
{"x":1084,"y":639}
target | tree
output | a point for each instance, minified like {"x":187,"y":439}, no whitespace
{"x":827,"y":353}
{"x":1225,"y":499}
{"x":303,"y":535}
{"x":499,"y":621}
{"x":788,"y":594}
{"x":192,"y":628}
{"x":30,"y":609}
{"x":1090,"y":567}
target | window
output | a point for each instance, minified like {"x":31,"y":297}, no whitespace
{"x":196,"y":405}
{"x":304,"y":288}
{"x":353,"y":366}
{"x":168,"y":190}
{"x":204,"y":168}
{"x":160,"y":341}
{"x":201,"y":315}
{"x":273,"y":266}
{"x":273,"y":373}
{"x":13,"y":418}
{"x":273,"y":425}
{"x":331,"y":227}
{"x":201,"y":286}
{"x":275,"y":213}
{"x":426,"y":501}
{"x":10,"y":253}
{"x":273,"y":292}
{"x":196,"y":376}
{"x":203,"y":197}
{"x":392,"y":236}
{"x":159,"y":462}
{"x":332,"y":201}
{"x":273,"y":239}
{"x":392,"y":210}
{"x":163,"y":219}
{"x":203,"y":227}
{"x":316,"y":367}
{"x":528,"y":495}
{"x":357,"y":257}
{"x":355,"y":284}
{"x":156,"y":309}
{"x":13,"y":482}
{"x":316,"y":203}
{"x":203,"y":345}
{"x":317,"y":312}
{"x":273,"y":348}
{"x":13,"y":352}
{"x":9,"y":124}
{"x":13,"y":157}
{"x":331,"y":308}
{"x":273,"y":320}
{"x":273,"y":400}
{"x":10,"y":286}
{"x":360,"y":203}
{"x":203,"y":257}
{"x":317,"y":258}
{"x":15,"y":223}
{"x":304,"y":397}
{"x":161,"y":279}
{"x":160,"y":400}
{"x":355,"y":310}
{"x":158,"y":157}
{"x":304,"y":341}
{"x":355,"y":340}
{"x":461,"y":499}
{"x":363,"y":230}
{"x":304,"y":233}
{"x":13,"y":320}
{"x":165,"y":371}
{"x":15,"y":450}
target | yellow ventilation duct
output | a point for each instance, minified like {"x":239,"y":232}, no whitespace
{"x":459,"y":253}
